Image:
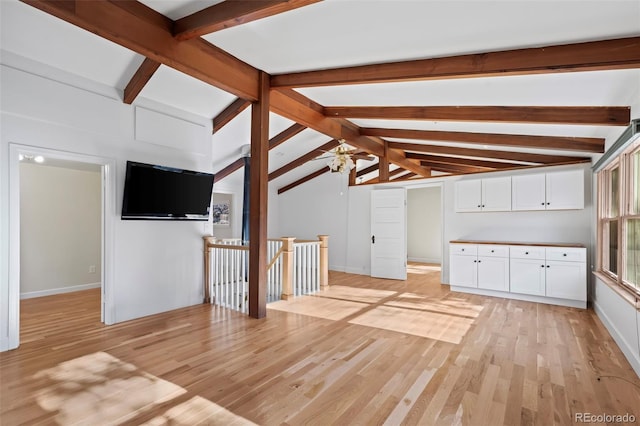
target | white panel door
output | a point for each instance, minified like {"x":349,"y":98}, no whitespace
{"x":468,"y":195}
{"x":565,"y":190}
{"x":496,"y":194}
{"x":528,"y":192}
{"x":389,"y":233}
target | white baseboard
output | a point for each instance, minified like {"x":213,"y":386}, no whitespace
{"x":52,"y":291}
{"x":358,"y":271}
{"x":425,"y":260}
{"x":630,"y":353}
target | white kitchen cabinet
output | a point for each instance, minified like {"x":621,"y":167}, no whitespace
{"x":547,"y":274}
{"x":563,"y":190}
{"x":483,"y":266}
{"x":491,"y":194}
{"x":527,"y":276}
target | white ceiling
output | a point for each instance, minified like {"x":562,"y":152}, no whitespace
{"x":336,"y":33}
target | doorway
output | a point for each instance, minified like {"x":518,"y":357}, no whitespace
{"x":424,"y":221}
{"x":106,"y":169}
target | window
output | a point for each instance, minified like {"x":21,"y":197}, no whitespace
{"x":619,"y":219}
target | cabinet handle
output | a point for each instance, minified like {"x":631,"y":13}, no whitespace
{"x":478,"y":205}
{"x":542,"y":266}
{"x":564,"y":254}
{"x":548,"y":203}
{"x":483,"y":206}
{"x":547,"y":266}
{"x":526,"y":252}
{"x":474,"y":261}
{"x":492,"y":251}
{"x":542,"y":204}
{"x":462,"y":250}
{"x":479,"y":261}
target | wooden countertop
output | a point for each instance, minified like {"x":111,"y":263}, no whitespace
{"x":518,"y":243}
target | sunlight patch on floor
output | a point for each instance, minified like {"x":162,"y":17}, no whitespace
{"x":355,"y":294}
{"x":416,"y":301}
{"x":198,"y":411}
{"x":319,"y":307}
{"x":444,"y":327}
{"x":422,"y":268}
{"x":101,"y":389}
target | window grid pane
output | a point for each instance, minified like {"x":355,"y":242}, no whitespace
{"x":614,"y":191}
{"x":632,"y":270}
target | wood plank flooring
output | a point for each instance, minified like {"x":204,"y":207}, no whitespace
{"x":363,"y":352}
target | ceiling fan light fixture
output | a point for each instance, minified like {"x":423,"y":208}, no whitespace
{"x":342,"y":161}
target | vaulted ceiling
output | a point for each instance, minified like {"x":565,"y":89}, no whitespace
{"x":428,"y":87}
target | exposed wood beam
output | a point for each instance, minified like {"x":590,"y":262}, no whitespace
{"x":275,"y":141}
{"x":352,"y":177}
{"x":143,"y":30}
{"x":236,"y":165}
{"x":229,"y":113}
{"x":285,"y":135}
{"x":392,"y":174}
{"x":304,"y":158}
{"x":231,"y":13}
{"x":452,"y":168}
{"x":303,"y":180}
{"x":298,"y":108}
{"x":258,"y":200}
{"x":367,"y":170}
{"x":600,"y":115}
{"x":487,"y":153}
{"x":140,"y":79}
{"x":383,"y":164}
{"x":485,"y":164}
{"x":543,"y":142}
{"x":622,"y":53}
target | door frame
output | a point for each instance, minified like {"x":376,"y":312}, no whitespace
{"x":108,"y":172}
{"x":440,"y":185}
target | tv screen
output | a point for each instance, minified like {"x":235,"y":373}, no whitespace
{"x":158,"y":192}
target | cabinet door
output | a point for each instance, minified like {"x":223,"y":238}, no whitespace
{"x":463,"y":271}
{"x":468,"y":196}
{"x":528,"y":276}
{"x":528,"y":192}
{"x":566,"y":280}
{"x":496,"y":194}
{"x":565,"y":190}
{"x":493,"y":273}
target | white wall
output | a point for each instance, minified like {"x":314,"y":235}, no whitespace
{"x":60,"y":227}
{"x":424,"y":219}
{"x":157,"y":264}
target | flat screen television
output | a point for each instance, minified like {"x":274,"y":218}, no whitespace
{"x":166,"y":193}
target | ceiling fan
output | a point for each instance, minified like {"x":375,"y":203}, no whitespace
{"x":341,"y":159}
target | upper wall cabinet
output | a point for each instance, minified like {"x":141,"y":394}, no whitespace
{"x":491,"y":194}
{"x":562,"y":190}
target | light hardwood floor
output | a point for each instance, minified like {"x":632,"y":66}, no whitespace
{"x":364,"y":352}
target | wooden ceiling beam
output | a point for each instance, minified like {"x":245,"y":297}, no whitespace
{"x":367,"y":170}
{"x":141,"y":29}
{"x":393,"y":174}
{"x":231,"y":13}
{"x":303,"y":180}
{"x":285,"y":135}
{"x":589,"y":115}
{"x":452,"y":168}
{"x":543,"y":142}
{"x":229,"y":113}
{"x":226,"y":171}
{"x":621,"y":53}
{"x":487,"y":153}
{"x":485,"y":164}
{"x":304,"y":158}
{"x":140,"y":79}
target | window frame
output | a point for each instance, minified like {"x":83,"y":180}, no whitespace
{"x":624,"y":162}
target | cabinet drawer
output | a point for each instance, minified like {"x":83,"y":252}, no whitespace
{"x":493,"y":250}
{"x":463,"y":249}
{"x":568,"y":254}
{"x":526,"y":252}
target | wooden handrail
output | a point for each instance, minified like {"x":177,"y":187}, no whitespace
{"x":275,"y":258}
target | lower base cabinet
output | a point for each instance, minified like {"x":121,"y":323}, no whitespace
{"x":547,"y":274}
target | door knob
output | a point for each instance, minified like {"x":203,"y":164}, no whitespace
{"x":373,"y":239}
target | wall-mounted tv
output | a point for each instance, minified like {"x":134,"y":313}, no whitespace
{"x":166,"y":193}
